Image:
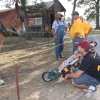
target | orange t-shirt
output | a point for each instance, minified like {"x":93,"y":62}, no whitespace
{"x":77,"y":27}
{"x":86,"y":27}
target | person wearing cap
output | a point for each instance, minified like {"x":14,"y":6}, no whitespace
{"x":76,"y":31}
{"x":87,"y":76}
{"x":59,"y":29}
{"x":87,"y":28}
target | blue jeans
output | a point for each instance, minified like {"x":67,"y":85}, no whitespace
{"x":59,"y":48}
{"x":78,"y":39}
{"x":85,"y":79}
{"x":59,"y":41}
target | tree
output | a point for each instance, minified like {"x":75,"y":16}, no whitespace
{"x":74,"y":7}
{"x":68,"y":19}
{"x":92,"y":10}
{"x":23,"y":3}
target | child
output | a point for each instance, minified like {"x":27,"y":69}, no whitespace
{"x":70,"y":61}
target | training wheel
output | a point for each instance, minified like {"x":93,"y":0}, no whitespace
{"x":94,"y":43}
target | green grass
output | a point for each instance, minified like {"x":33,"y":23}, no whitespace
{"x":95,"y":32}
{"x":37,"y":39}
{"x":13,"y":39}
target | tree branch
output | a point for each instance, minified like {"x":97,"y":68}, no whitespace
{"x":95,"y":1}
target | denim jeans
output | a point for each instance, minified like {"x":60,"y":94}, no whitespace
{"x":78,"y":39}
{"x":85,"y":79}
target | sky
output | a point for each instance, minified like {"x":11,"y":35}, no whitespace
{"x":68,"y":6}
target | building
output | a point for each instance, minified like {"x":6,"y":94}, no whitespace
{"x":37,"y":22}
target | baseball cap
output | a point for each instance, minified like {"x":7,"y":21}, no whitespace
{"x":75,"y":13}
{"x":84,"y":44}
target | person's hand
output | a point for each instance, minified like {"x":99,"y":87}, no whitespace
{"x":55,"y":37}
{"x":66,"y":77}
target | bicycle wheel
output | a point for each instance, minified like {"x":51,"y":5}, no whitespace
{"x":45,"y":76}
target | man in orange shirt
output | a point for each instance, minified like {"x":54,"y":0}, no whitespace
{"x":76,"y":31}
{"x":86,"y":27}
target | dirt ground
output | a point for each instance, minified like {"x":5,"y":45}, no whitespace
{"x":30,"y":70}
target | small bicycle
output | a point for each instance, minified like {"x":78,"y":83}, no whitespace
{"x":48,"y":76}
{"x":52,"y":75}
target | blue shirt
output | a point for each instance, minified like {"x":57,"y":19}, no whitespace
{"x":56,"y":24}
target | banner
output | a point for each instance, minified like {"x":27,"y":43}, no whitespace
{"x":34,"y":22}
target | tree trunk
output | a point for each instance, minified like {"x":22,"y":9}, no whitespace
{"x":74,"y":6}
{"x":43,"y":21}
{"x":27,"y":35}
{"x":97,"y":14}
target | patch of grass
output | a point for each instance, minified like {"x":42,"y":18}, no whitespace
{"x":95,"y":32}
{"x":13,"y":39}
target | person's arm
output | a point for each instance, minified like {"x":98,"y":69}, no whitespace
{"x":85,"y":64}
{"x":53,"y":29}
{"x":74,"y":75}
{"x":54,"y":34}
{"x":88,"y":32}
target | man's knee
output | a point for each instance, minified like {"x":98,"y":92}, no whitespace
{"x":74,"y":84}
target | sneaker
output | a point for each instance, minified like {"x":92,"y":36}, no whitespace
{"x":90,"y":92}
{"x":58,"y":59}
{"x":61,"y":56}
{"x":1,"y":82}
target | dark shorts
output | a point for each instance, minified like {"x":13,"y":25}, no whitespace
{"x":85,"y":79}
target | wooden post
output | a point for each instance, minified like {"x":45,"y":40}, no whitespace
{"x":17,"y":80}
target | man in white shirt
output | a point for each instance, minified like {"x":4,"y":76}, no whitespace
{"x":59,"y":29}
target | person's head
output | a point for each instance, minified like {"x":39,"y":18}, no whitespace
{"x":83,"y":47}
{"x":75,"y":15}
{"x":81,"y":18}
{"x":59,"y":15}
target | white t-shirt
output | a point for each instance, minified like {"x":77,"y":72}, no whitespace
{"x":56,"y":24}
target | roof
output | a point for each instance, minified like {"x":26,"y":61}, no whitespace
{"x":49,"y":4}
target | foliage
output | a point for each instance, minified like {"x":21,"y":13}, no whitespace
{"x":37,"y":8}
{"x":90,"y":6}
{"x":68,"y":19}
{"x":91,"y":9}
